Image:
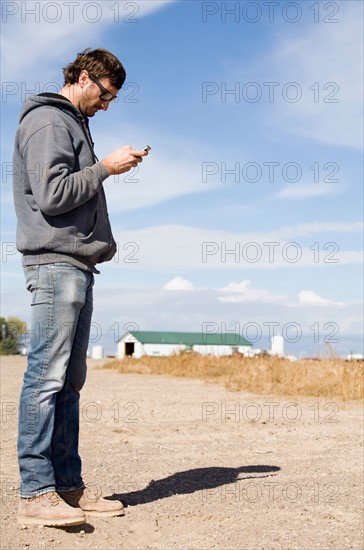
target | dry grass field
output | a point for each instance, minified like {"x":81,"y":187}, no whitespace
{"x":201,"y":467}
{"x":333,"y":378}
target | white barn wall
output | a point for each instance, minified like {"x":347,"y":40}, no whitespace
{"x":149,"y":349}
{"x":163,"y":349}
{"x":247,"y":350}
{"x":212,"y":350}
{"x":138,"y":350}
{"x":120,"y":350}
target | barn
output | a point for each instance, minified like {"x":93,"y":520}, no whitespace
{"x":138,"y":343}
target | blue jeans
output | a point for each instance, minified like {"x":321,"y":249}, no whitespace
{"x":61,"y":310}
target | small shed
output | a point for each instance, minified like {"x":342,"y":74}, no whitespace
{"x":138,"y":343}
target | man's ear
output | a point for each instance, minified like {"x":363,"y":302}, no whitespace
{"x":83,"y":78}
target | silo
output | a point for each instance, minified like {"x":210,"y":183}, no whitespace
{"x":277,"y":346}
{"x":97,"y":352}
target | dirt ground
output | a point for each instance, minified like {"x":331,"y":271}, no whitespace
{"x":199,"y":467}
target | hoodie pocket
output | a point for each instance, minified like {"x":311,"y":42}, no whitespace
{"x":96,"y":244}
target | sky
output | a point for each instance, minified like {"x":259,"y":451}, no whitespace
{"x":247,"y":215}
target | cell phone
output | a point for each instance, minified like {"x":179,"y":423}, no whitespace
{"x":146,"y":148}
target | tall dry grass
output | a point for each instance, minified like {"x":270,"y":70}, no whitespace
{"x":334,"y":378}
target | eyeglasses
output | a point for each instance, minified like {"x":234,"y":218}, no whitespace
{"x":105,"y":95}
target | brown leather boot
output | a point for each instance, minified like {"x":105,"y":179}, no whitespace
{"x":49,"y":509}
{"x":92,"y":504}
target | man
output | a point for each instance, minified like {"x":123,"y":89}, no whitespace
{"x":63,"y":231}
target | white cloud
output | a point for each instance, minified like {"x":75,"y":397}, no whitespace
{"x":310,"y":298}
{"x":242,"y":292}
{"x":161,"y":176}
{"x":50,"y":31}
{"x":307,"y":229}
{"x":178,"y":247}
{"x":302,"y":191}
{"x":241,"y":287}
{"x":178,"y":283}
{"x":157,"y":180}
{"x":326,"y":61}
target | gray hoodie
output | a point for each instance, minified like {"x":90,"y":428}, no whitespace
{"x":58,"y":187}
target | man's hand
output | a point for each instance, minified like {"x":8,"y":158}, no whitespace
{"x":123,"y":159}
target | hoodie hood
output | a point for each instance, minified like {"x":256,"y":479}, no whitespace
{"x":63,"y":104}
{"x":56,"y":100}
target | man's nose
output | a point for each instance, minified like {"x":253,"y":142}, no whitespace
{"x":105,"y":105}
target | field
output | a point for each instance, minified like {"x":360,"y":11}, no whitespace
{"x":235,"y":455}
{"x":331,"y":378}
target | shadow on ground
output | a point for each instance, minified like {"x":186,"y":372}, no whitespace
{"x":84,"y":528}
{"x":191,"y":481}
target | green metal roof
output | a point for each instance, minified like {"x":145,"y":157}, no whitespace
{"x":189,"y":338}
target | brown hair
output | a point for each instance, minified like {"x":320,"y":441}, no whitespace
{"x":99,"y":63}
